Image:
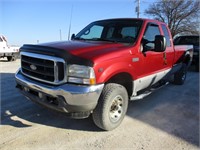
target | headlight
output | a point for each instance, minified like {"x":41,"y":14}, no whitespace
{"x":81,"y":74}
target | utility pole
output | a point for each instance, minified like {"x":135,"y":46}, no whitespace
{"x":137,"y":9}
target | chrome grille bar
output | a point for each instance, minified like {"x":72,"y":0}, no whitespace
{"x":48,"y":69}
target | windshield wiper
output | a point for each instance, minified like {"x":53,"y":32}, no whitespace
{"x":101,"y":39}
{"x":95,"y":39}
{"x":79,"y":38}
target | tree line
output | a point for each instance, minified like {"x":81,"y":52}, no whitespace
{"x":181,"y":16}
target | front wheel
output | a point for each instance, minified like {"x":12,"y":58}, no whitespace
{"x":112,"y":107}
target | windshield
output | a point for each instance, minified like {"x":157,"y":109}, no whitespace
{"x":121,"y":30}
{"x":190,"y":40}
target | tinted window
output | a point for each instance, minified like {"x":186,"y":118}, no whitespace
{"x":150,"y":33}
{"x":166,"y":34}
{"x":187,"y":40}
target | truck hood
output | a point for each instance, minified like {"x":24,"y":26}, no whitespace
{"x":78,"y":52}
{"x":86,"y":49}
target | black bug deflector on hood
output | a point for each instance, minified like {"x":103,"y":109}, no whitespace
{"x":46,"y":50}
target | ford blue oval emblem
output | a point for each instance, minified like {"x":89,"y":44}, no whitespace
{"x":33,"y":67}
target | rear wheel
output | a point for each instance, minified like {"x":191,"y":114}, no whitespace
{"x":112,"y":107}
{"x":180,"y":76}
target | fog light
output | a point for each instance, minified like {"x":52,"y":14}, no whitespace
{"x":40,"y":95}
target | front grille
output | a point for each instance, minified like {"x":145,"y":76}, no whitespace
{"x":44,"y":68}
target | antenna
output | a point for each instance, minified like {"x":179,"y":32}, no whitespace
{"x":60,"y":35}
{"x":70,"y":23}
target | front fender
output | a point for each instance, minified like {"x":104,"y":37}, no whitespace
{"x":114,"y":69}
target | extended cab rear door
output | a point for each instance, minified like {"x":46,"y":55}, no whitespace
{"x":169,"y":52}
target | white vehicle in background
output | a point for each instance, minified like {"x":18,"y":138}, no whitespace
{"x":11,"y":52}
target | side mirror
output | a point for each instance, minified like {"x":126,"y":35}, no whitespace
{"x":160,"y":43}
{"x":73,"y":36}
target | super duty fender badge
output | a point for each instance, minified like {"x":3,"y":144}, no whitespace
{"x":135,"y":59}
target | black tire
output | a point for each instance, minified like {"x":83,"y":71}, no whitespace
{"x":11,"y":58}
{"x":180,"y":76}
{"x":112,"y":107}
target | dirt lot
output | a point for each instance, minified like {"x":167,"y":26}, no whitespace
{"x":167,"y":119}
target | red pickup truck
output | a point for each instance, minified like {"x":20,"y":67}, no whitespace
{"x":106,"y":65}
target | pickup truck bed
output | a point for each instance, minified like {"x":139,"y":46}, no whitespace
{"x":190,"y":40}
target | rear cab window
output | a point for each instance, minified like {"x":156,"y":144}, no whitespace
{"x":166,"y":34}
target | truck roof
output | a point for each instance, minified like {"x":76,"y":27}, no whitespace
{"x":142,"y":19}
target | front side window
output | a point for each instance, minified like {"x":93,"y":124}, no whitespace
{"x":149,"y":36}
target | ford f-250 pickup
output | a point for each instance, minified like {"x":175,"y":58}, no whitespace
{"x":102,"y":68}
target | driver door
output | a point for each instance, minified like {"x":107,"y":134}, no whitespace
{"x":152,"y":62}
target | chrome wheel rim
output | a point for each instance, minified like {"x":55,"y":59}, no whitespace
{"x":116,"y":108}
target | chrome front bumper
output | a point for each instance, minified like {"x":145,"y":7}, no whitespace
{"x":79,"y":100}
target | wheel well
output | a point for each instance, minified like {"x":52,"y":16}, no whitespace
{"x":124,"y":79}
{"x":187,"y":60}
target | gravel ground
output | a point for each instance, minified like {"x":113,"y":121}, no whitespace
{"x":166,"y":119}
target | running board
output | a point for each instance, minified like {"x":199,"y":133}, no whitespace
{"x":141,"y":96}
{"x":146,"y":93}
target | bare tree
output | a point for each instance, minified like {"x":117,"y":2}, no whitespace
{"x":182,"y":16}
